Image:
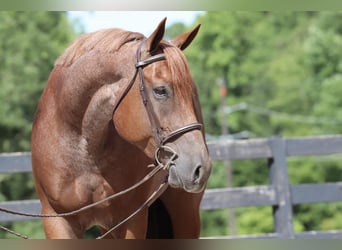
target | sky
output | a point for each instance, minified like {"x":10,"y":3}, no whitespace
{"x":140,"y":21}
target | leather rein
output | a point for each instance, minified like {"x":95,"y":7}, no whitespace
{"x":157,"y":165}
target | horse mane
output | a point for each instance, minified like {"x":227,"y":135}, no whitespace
{"x":105,"y":40}
{"x":183,"y":85}
{"x":111,"y":40}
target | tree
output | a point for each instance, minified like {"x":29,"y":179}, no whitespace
{"x":287,"y":68}
{"x":29,"y":44}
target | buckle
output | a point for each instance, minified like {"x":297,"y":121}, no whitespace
{"x":158,"y":162}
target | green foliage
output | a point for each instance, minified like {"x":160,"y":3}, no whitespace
{"x":287,"y":68}
{"x":17,"y":186}
{"x":175,"y":30}
{"x":30,"y":42}
{"x":214,"y":223}
{"x":30,"y":229}
{"x":254,"y":220}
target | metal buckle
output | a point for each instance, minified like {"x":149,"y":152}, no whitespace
{"x":160,"y":164}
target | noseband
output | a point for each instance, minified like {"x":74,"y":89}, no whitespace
{"x":160,"y":137}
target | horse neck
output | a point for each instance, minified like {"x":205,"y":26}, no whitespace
{"x":78,"y":84}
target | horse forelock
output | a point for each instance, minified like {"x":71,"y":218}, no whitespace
{"x":183,"y":85}
{"x":106,"y":40}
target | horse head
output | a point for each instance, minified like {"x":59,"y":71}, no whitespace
{"x":159,"y":111}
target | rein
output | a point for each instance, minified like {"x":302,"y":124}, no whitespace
{"x":157,"y":165}
{"x":148,"y":202}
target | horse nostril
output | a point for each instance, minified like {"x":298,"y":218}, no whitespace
{"x":197,"y":173}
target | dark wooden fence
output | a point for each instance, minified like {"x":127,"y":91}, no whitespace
{"x":280,"y":194}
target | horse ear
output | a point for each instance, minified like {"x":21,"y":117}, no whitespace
{"x":153,"y":40}
{"x":184,"y":40}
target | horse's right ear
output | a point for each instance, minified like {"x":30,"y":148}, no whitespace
{"x":153,"y":40}
{"x":183,"y":41}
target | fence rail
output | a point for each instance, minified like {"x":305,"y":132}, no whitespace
{"x":280,"y":194}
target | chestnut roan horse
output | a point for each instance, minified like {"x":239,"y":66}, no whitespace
{"x":114,"y":103}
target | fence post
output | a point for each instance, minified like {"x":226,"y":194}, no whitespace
{"x":279,"y":179}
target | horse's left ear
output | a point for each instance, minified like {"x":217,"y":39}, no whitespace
{"x":184,"y":40}
{"x":153,"y":40}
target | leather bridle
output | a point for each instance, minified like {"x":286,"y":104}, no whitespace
{"x":160,"y":137}
{"x":159,"y":165}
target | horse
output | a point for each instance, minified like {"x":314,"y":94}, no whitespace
{"x":115,"y":102}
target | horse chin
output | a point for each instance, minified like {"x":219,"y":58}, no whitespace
{"x":176,"y":182}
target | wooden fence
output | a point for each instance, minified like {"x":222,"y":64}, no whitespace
{"x":280,"y":194}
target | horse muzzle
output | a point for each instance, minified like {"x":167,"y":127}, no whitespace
{"x":184,"y":172}
{"x":192,"y":178}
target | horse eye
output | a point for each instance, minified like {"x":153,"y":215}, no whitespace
{"x":161,"y":92}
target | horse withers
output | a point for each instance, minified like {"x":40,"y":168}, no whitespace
{"x":114,"y":103}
